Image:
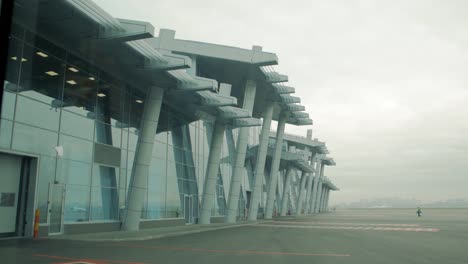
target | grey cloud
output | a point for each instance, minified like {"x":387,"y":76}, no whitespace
{"x":385,"y":81}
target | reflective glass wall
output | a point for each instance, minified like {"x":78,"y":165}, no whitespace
{"x":82,"y":123}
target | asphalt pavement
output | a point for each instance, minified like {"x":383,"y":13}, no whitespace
{"x":345,"y":236}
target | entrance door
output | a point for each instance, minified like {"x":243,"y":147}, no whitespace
{"x":10,"y":176}
{"x":56,"y":201}
{"x":188,"y":209}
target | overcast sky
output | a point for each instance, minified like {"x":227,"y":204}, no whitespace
{"x":384,"y":81}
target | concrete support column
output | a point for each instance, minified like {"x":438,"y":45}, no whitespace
{"x":271,"y":195}
{"x":214,"y":157}
{"x":313,"y":196}
{"x":300,"y":199}
{"x":322,"y":202}
{"x":139,"y":177}
{"x":327,"y":200}
{"x":309,"y":185}
{"x":239,"y":159}
{"x":260,"y":162}
{"x":319,"y":189}
{"x":286,"y":191}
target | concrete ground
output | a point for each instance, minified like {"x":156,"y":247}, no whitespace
{"x":347,"y":236}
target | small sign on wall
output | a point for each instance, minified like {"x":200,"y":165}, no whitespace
{"x":7,"y":199}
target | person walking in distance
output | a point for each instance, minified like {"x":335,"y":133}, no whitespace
{"x":418,"y":212}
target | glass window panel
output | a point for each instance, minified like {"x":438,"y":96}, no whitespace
{"x":80,"y":91}
{"x":14,"y":61}
{"x":76,"y":149}
{"x":41,"y":76}
{"x":83,"y":65}
{"x":159,"y":150}
{"x":77,"y":203}
{"x":38,"y":114}
{"x":157,"y":175}
{"x":104,"y":204}
{"x":181,"y":185}
{"x":6,"y":128}
{"x":136,"y":105}
{"x":132,"y":141}
{"x":173,"y":202}
{"x":123,"y":159}
{"x":107,"y":134}
{"x":75,"y":172}
{"x":161,"y":137}
{"x":8,"y":105}
{"x":77,"y":125}
{"x":17,"y":31}
{"x":130,"y":159}
{"x":170,"y":138}
{"x":124,"y":138}
{"x":105,"y":176}
{"x":122,"y":187}
{"x":46,"y":176}
{"x":172,"y":152}
{"x":122,"y":197}
{"x":44,"y":45}
{"x":156,"y":189}
{"x":126,"y":112}
{"x":44,"y":140}
{"x":129,"y":176}
{"x":110,"y":103}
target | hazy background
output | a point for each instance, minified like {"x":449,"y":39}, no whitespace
{"x":384,"y":81}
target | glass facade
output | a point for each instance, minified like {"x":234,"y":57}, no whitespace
{"x":53,"y":99}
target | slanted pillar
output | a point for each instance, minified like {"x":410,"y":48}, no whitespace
{"x":286,"y":191}
{"x":260,"y":162}
{"x":309,"y":185}
{"x":300,"y":199}
{"x":322,"y":200}
{"x":239,"y":159}
{"x":313,"y":196}
{"x":328,"y":200}
{"x":139,"y":177}
{"x":271,"y":195}
{"x":214,"y":157}
{"x":319,"y":189}
{"x":325,"y":199}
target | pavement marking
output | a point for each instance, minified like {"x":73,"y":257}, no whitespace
{"x":246,"y":252}
{"x":354,"y":228}
{"x":86,"y":260}
{"x":348,"y":224}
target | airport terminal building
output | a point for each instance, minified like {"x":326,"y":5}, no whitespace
{"x":107,"y":125}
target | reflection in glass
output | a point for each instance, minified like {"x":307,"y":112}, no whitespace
{"x":6,"y":127}
{"x":104,"y":204}
{"x":173,"y":202}
{"x":13,"y":63}
{"x":156,"y":189}
{"x":41,"y":76}
{"x":77,"y":125}
{"x":76,"y":203}
{"x":75,"y":172}
{"x":80,"y":91}
{"x":107,"y":134}
{"x":8,"y":105}
{"x":76,"y":149}
{"x":109,"y":103}
{"x":43,"y":143}
{"x":105,"y":176}
{"x":36,"y":113}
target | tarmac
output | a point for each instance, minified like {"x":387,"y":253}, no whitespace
{"x":153,"y":233}
{"x":345,"y":236}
